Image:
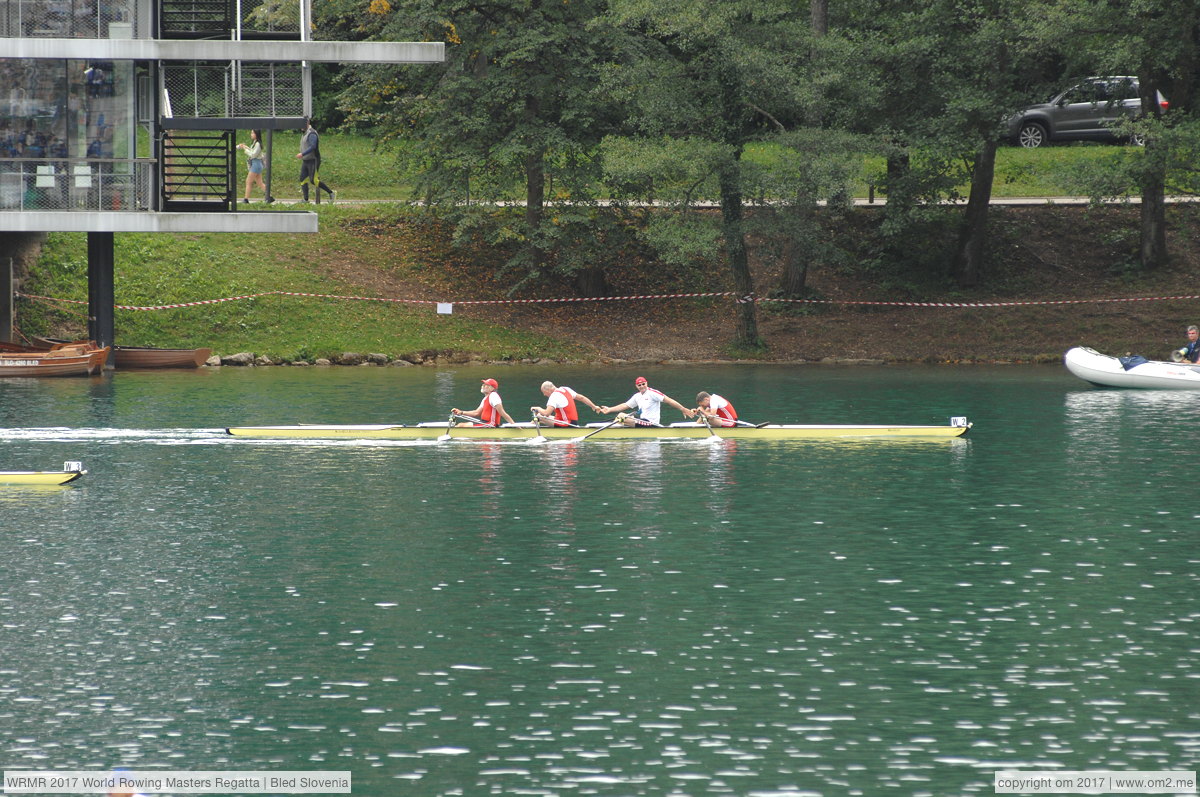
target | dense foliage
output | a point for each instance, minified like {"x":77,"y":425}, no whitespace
{"x":614,"y":106}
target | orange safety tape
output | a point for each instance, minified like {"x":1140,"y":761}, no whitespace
{"x":740,"y":299}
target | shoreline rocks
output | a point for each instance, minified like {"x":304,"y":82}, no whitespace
{"x":457,"y":359}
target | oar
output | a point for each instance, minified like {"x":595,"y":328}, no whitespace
{"x":538,"y":438}
{"x":619,"y":417}
{"x":738,"y":422}
{"x":449,"y":425}
{"x":708,"y":425}
{"x":466,"y":418}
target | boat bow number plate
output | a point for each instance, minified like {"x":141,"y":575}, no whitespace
{"x":71,"y":466}
{"x":958,"y":420}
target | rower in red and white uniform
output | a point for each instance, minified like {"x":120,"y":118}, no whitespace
{"x":490,"y":410}
{"x":560,"y":406}
{"x":719,"y":410}
{"x":647,"y":402}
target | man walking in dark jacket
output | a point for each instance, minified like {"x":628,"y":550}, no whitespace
{"x":310,"y":164}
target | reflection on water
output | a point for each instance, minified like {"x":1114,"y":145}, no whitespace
{"x":38,"y":496}
{"x":620,"y":617}
{"x":1084,"y":403}
{"x":1130,"y":435}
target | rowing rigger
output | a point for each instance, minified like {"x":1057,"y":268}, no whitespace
{"x":957,"y":427}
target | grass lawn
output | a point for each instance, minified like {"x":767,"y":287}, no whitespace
{"x":350,"y":164}
{"x":162,"y":269}
{"x":357,"y":169}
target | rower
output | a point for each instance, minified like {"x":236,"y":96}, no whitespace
{"x":647,"y":402}
{"x":718,"y":410}
{"x":490,"y":410}
{"x":560,"y":407}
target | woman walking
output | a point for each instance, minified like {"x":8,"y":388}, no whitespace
{"x":254,"y":166}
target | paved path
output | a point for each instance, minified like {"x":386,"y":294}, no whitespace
{"x":1029,"y":201}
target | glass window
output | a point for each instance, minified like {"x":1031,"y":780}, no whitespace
{"x":67,"y":19}
{"x":65,"y":125}
{"x":32,"y":108}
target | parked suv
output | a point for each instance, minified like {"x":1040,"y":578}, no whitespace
{"x":1085,"y":112}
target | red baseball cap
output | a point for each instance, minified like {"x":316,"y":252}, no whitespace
{"x":491,"y":382}
{"x":640,"y":380}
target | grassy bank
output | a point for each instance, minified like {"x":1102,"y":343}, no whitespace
{"x":164,"y":269}
{"x":1048,"y":266}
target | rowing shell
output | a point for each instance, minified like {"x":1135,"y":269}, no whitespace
{"x":518,"y":431}
{"x":40,"y":476}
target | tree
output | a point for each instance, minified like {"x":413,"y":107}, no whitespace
{"x":512,"y":109}
{"x":1158,"y":41}
{"x":940,"y":77}
{"x":704,"y":82}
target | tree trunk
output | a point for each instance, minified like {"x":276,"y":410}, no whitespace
{"x":735,"y":249}
{"x":898,"y":196}
{"x":591,"y":283}
{"x":535,"y":190}
{"x":796,"y":256}
{"x":535,"y":193}
{"x":972,"y":243}
{"x":899,"y":205}
{"x":1153,"y":249}
{"x":795,"y":271}
{"x":820,"y":16}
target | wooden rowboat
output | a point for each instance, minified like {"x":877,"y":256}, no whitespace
{"x":526,"y":431}
{"x":64,"y":359}
{"x":70,"y":472}
{"x":127,"y":357}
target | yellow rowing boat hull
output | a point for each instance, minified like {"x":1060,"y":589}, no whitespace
{"x":40,"y":476}
{"x":615,"y":432}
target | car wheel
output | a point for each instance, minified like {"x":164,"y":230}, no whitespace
{"x":1032,"y":135}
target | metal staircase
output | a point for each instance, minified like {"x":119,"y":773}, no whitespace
{"x":197,"y":168}
{"x":201,"y":104}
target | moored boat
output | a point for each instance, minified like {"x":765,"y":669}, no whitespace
{"x":599,"y":431}
{"x":70,"y":472}
{"x":63,"y":359}
{"x":127,"y":357}
{"x":1130,"y":372}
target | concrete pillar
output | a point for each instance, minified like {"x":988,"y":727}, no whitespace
{"x":268,"y":156}
{"x":101,"y":292}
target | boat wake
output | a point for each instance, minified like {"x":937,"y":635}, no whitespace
{"x":202,"y":437}
{"x":65,"y":434}
{"x":175,"y":437}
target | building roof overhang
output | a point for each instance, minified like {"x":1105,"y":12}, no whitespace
{"x":225,"y":50}
{"x":145,"y":221}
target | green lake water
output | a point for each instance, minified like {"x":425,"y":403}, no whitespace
{"x":617,"y":618}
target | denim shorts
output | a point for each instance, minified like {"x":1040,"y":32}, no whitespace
{"x":256,"y":166}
